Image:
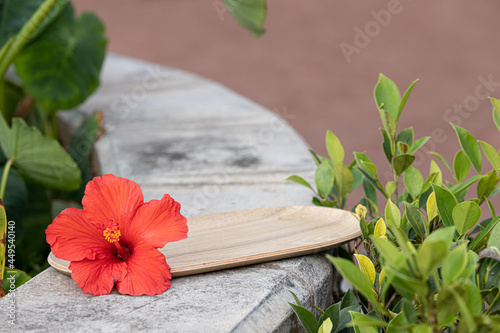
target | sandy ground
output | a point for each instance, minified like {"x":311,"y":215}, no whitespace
{"x":319,"y":61}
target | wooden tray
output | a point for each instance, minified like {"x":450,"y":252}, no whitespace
{"x":244,"y":237}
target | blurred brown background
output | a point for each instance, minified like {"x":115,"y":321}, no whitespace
{"x":299,"y":65}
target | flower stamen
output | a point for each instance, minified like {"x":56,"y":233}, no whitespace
{"x":112,"y":235}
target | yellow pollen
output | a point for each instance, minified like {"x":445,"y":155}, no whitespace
{"x":112,"y":235}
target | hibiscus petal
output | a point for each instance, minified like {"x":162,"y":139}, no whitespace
{"x":148,"y":273}
{"x":72,"y":237}
{"x":111,"y":198}
{"x":156,"y":223}
{"x":97,"y":276}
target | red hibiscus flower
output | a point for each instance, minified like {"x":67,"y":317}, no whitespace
{"x":114,"y":240}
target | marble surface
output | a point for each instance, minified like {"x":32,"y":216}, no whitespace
{"x":213,"y":151}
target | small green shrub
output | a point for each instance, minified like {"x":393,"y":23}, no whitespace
{"x":430,"y":264}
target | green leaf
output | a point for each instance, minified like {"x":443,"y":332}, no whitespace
{"x":334,"y":148}
{"x":461,"y":166}
{"x":442,"y":159}
{"x":66,"y":58}
{"x":392,"y":213}
{"x":401,"y":162}
{"x":465,"y":311}
{"x":388,"y":251}
{"x":484,"y":234}
{"x":442,"y":234}
{"x":345,"y":318}
{"x":358,"y":178}
{"x":387,"y":96}
{"x":404,"y":99}
{"x":397,"y":324}
{"x":361,"y":320}
{"x":431,"y":207}
{"x":343,"y":180}
{"x":454,"y":264}
{"x":15,"y":13}
{"x":492,"y":155}
{"x":250,"y":14}
{"x":15,"y":196}
{"x":418,"y":144}
{"x":355,"y":277}
{"x":332,"y":313}
{"x":406,"y":136}
{"x":469,"y":146}
{"x":389,"y":123}
{"x":390,"y":187}
{"x":306,"y":318}
{"x":386,"y":145}
{"x":496,"y":112}
{"x":465,"y":216}
{"x":417,"y":220}
{"x":414,"y":181}
{"x":13,"y":277}
{"x":495,"y":237}
{"x":38,"y":157}
{"x":301,"y":181}
{"x":430,"y":255}
{"x":486,"y":185}
{"x":366,"y":267}
{"x":324,"y":179}
{"x":445,"y":202}
{"x":456,"y":189}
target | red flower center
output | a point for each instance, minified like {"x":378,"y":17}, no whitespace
{"x":112,"y":234}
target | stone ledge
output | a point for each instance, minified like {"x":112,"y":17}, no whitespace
{"x":145,"y":140}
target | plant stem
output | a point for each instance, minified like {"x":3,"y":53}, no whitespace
{"x":493,"y":303}
{"x":13,"y":47}
{"x":5,"y":176}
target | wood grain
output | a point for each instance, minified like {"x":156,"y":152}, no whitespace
{"x":244,"y":237}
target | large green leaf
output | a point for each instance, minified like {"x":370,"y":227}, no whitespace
{"x":461,"y":165}
{"x":404,"y":99}
{"x":454,"y":264}
{"x":334,"y":148}
{"x":324,"y":178}
{"x":401,"y":162}
{"x":470,"y":146}
{"x":414,"y":181}
{"x":417,"y":220}
{"x":306,"y":318}
{"x":249,"y":13}
{"x":486,"y":185}
{"x":445,"y":202}
{"x":61,"y":68}
{"x":492,"y":155}
{"x":15,"y":13}
{"x":343,"y":180}
{"x":37,"y":157}
{"x":387,"y":96}
{"x":465,"y":216}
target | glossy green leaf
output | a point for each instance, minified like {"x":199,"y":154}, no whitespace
{"x":355,"y":277}
{"x":431,"y":207}
{"x":418,"y":144}
{"x":386,"y":145}
{"x":15,"y":13}
{"x":306,"y":318}
{"x":494,"y":239}
{"x":66,"y":58}
{"x":470,"y":146}
{"x":343,"y":180}
{"x":442,"y":159}
{"x":406,"y":136}
{"x":14,"y":277}
{"x":484,"y":234}
{"x":417,"y":220}
{"x":496,"y":112}
{"x":486,"y":185}
{"x":430,"y":255}
{"x":461,"y":166}
{"x":392,"y":213}
{"x":465,"y":216}
{"x":401,"y":162}
{"x":492,"y":155}
{"x":301,"y":181}
{"x":324,"y":179}
{"x":38,"y":157}
{"x":414,"y":181}
{"x":249,"y":13}
{"x":405,"y":99}
{"x":332,"y":313}
{"x":445,"y":202}
{"x":334,"y":148}
{"x":454,"y":264}
{"x":387,"y":96}
{"x":361,"y":320}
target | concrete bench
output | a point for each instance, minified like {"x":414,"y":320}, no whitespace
{"x":213,"y":151}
